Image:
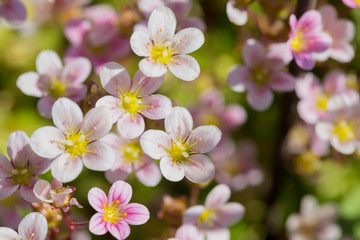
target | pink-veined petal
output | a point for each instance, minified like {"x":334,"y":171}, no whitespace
{"x":162,"y":24}
{"x":172,"y":171}
{"x":237,"y":16}
{"x":7,"y":187}
{"x":152,"y":69}
{"x":305,"y":60}
{"x":100,"y":156}
{"x":238,"y":78}
{"x":204,"y":138}
{"x":19,"y":149}
{"x":67,"y":116}
{"x":120,"y":230}
{"x":143,"y":85}
{"x":310,"y":21}
{"x":184,"y":67}
{"x":28,"y":84}
{"x":218,"y":196}
{"x":112,"y":103}
{"x":188,"y":40}
{"x":42,"y":190}
{"x":156,"y":106}
{"x":230,"y":213}
{"x":66,"y":168}
{"x":8,"y":234}
{"x":140,"y":42}
{"x":260,"y":99}
{"x":155,"y":143}
{"x":14,"y":11}
{"x":97,"y":225}
{"x":48,"y":62}
{"x":115,"y":79}
{"x":137,"y":214}
{"x":76,"y":71}
{"x":44,"y":106}
{"x":97,"y":123}
{"x":199,"y":168}
{"x":179,"y":124}
{"x":48,"y":142}
{"x":120,"y":191}
{"x":131,"y":125}
{"x":33,"y":226}
{"x":97,"y":198}
{"x":319,"y":42}
{"x":253,"y":52}
{"x":282,"y":81}
{"x":148,"y":173}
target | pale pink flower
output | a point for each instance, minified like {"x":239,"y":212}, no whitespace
{"x":306,"y":37}
{"x":213,"y":218}
{"x":342,"y":31}
{"x":260,"y":75}
{"x":20,"y":172}
{"x":236,"y":166}
{"x":55,"y":194}
{"x":342,"y":127}
{"x":75,"y":140}
{"x":237,"y":12}
{"x":96,"y":37}
{"x":131,"y":101}
{"x":314,"y":97}
{"x":33,"y":227}
{"x":53,"y":81}
{"x":352,"y":3}
{"x":115,"y":213}
{"x":314,"y":222}
{"x":187,"y":232}
{"x":180,"y":148}
{"x":13,"y":11}
{"x":130,"y":157}
{"x":162,"y":49}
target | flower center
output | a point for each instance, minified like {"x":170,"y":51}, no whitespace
{"x":297,"y":43}
{"x":57,"y":89}
{"x":206,"y":218}
{"x":321,"y":102}
{"x":131,"y":152}
{"x":161,"y":53}
{"x":21,"y":175}
{"x":344,"y":131}
{"x":307,"y":162}
{"x":76,"y":144}
{"x":57,"y":194}
{"x":131,"y":103}
{"x":113,"y":213}
{"x":178,"y":152}
{"x":260,"y":75}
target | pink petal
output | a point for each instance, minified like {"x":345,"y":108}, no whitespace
{"x":67,"y":116}
{"x":120,"y":230}
{"x":5,"y":167}
{"x":188,"y":232}
{"x":328,"y":14}
{"x":194,"y":22}
{"x":335,"y":82}
{"x":143,"y":85}
{"x":307,"y":85}
{"x":97,"y":123}
{"x":137,"y":214}
{"x":118,"y":171}
{"x":48,"y":142}
{"x":152,"y":69}
{"x":28,"y":84}
{"x":14,"y":11}
{"x":162,"y":24}
{"x":218,"y":196}
{"x":192,"y":214}
{"x":100,"y":157}
{"x":148,"y":174}
{"x":188,"y":40}
{"x":199,"y":168}
{"x":156,"y":106}
{"x":48,"y":62}
{"x":318,"y":42}
{"x":238,"y":78}
{"x":237,"y":16}
{"x":66,"y":168}
{"x":172,"y":171}
{"x":115,"y":79}
{"x":184,"y":67}
{"x":33,"y":226}
{"x":342,"y":52}
{"x":180,"y":7}
{"x":179,"y":124}
{"x":351,"y":3}
{"x":203,"y":139}
{"x":230,"y":213}
{"x":77,"y":93}
{"x":342,"y":30}
{"x":310,"y":21}
{"x":234,"y":115}
{"x":44,"y":106}
{"x":42,"y":190}
{"x":282,"y":81}
{"x":97,"y":198}
{"x":75,"y":30}
{"x":113,"y":104}
{"x":131,"y":125}
{"x":97,"y":225}
{"x":140,"y":42}
{"x":120,"y":191}
{"x":253,"y":52}
{"x":279,"y":51}
{"x":260,"y":99}
{"x":8,"y":233}
{"x":7,"y":187}
{"x":39,"y":165}
{"x":18,"y":148}
{"x":147,"y":7}
{"x":155,"y":143}
{"x":218,"y":234}
{"x":307,"y":111}
{"x":305,"y":61}
{"x":27,"y":193}
{"x":77,"y":70}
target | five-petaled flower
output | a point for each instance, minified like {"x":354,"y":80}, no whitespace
{"x":75,"y":140}
{"x":131,"y":100}
{"x":115,"y":213}
{"x":180,"y":148}
{"x":163,"y":49}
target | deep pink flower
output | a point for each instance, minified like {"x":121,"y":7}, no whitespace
{"x":352,"y":3}
{"x":75,"y":140}
{"x":259,"y":76}
{"x":13,"y":11}
{"x":53,"y":81}
{"x":20,"y":172}
{"x":115,"y":213}
{"x":180,"y":149}
{"x":131,"y":101}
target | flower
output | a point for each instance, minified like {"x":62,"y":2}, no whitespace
{"x":213,"y":218}
{"x":342,"y":31}
{"x":163,"y":49}
{"x":307,"y":37}
{"x":180,"y":148}
{"x":187,"y":232}
{"x":75,"y":140}
{"x":33,"y":226}
{"x":131,"y":100}
{"x":314,"y":221}
{"x":130,"y":157}
{"x":115,"y":213}
{"x":55,"y":194}
{"x":52,"y":81}
{"x":259,"y":75}
{"x":352,"y":3}
{"x":20,"y":171}
{"x":236,"y":11}
{"x":13,"y":11}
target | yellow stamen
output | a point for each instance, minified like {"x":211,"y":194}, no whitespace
{"x":344,"y":130}
{"x":161,"y":53}
{"x":131,"y":103}
{"x":206,"y":218}
{"x":57,"y":89}
{"x":297,"y":43}
{"x":76,"y":144}
{"x":113,"y":213}
{"x":178,"y":152}
{"x":131,"y":152}
{"x":321,"y":101}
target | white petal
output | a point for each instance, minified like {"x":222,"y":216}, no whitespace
{"x":66,"y":168}
{"x":48,"y":62}
{"x":184,"y":67}
{"x":100,"y":157}
{"x":155,"y":143}
{"x":18,"y":148}
{"x":131,"y":125}
{"x":162,"y":24}
{"x":140,"y":41}
{"x":8,"y":234}
{"x":115,"y":79}
{"x":28,"y":84}
{"x":204,"y":138}
{"x":48,"y":142}
{"x":170,"y":170}
{"x":67,"y":115}
{"x":188,"y":40}
{"x":179,"y":124}
{"x":33,"y":226}
{"x":199,"y":168}
{"x":218,"y":196}
{"x":97,"y":123}
{"x":152,"y":69}
{"x":237,"y":16}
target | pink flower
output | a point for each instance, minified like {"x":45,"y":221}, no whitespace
{"x":130,"y":100}
{"x":75,"y":140}
{"x":180,"y":148}
{"x":130,"y":157}
{"x":213,"y":218}
{"x":20,"y":172}
{"x":115,"y":213}
{"x":342,"y":127}
{"x":53,"y":81}
{"x":313,"y":222}
{"x":187,"y":232}
{"x":33,"y":227}
{"x":352,"y":3}
{"x":307,"y":37}
{"x":314,"y":97}
{"x":237,"y":12}
{"x":259,"y":76}
{"x":342,"y":31}
{"x":55,"y":194}
{"x":13,"y":11}
{"x":163,"y":49}
{"x":96,"y":37}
